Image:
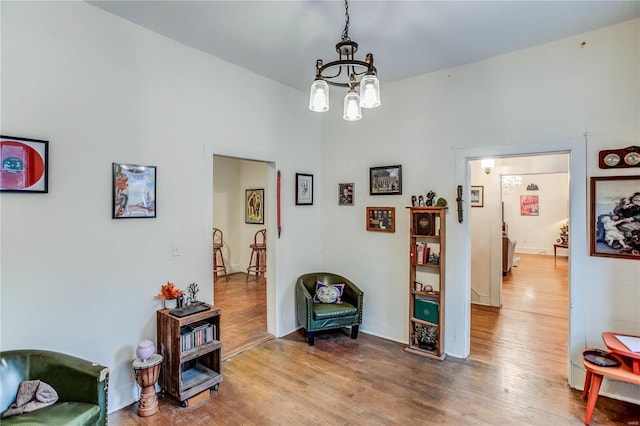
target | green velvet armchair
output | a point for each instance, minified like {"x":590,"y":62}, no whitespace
{"x":81,"y":386}
{"x":324,"y":316}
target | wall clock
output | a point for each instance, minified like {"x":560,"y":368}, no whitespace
{"x":619,"y":158}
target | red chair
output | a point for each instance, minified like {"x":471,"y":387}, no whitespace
{"x":218,"y":243}
{"x":259,"y":250}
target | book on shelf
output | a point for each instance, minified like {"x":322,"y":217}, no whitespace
{"x":196,"y":334}
{"x":422,"y":253}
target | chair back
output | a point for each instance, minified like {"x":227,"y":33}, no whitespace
{"x":260,"y":239}
{"x":218,"y":238}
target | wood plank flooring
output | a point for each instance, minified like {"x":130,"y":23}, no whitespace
{"x":243,"y":322}
{"x":373,"y":381}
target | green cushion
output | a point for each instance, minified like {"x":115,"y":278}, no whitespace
{"x":330,"y":310}
{"x":65,"y":413}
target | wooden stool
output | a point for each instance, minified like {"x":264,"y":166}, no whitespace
{"x":218,"y":243}
{"x":147,"y":373}
{"x":595,"y":374}
{"x":259,"y":249}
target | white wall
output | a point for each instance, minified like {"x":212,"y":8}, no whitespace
{"x":532,"y":97}
{"x":101,"y":89}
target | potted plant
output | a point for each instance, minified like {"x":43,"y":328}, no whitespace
{"x":169,"y":293}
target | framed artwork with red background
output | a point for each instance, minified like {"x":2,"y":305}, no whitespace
{"x":24,"y":164}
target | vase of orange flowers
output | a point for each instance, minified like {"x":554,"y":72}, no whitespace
{"x":169,"y":294}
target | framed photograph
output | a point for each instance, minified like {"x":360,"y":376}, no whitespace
{"x":134,"y":191}
{"x":386,"y":180}
{"x":615,"y":213}
{"x":345,"y":194}
{"x":424,"y":224}
{"x":24,"y":164}
{"x":304,"y":189}
{"x":529,"y":205}
{"x":381,"y":219}
{"x":477,"y":196}
{"x":254,"y":206}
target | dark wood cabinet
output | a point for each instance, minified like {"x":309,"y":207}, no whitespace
{"x":191,"y":349}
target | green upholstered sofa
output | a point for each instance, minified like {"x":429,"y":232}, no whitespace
{"x":323,"y":316}
{"x":81,"y":385}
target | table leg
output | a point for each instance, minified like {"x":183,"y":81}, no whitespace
{"x":596,"y":381}
{"x":587,"y":385}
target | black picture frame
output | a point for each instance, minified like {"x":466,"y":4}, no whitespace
{"x":304,"y":189}
{"x":615,"y":201}
{"x":24,"y":165}
{"x":133,"y":191}
{"x":476,"y":196}
{"x":385,"y":180}
{"x":254,"y":206}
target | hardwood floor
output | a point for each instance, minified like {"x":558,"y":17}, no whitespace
{"x":243,"y":322}
{"x":373,"y":381}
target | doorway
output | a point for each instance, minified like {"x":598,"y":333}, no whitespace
{"x":461,"y":314}
{"x":523,"y":294}
{"x":242,"y":296}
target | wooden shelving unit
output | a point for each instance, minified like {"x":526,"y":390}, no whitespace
{"x":188,"y":372}
{"x":426,"y":306}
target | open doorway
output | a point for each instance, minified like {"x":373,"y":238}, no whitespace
{"x":519,"y":289}
{"x":242,"y":296}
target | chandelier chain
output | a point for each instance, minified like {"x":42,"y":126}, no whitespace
{"x":345,"y":32}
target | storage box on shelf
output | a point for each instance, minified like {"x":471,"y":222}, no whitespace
{"x":427,"y":256}
{"x":191,"y":349}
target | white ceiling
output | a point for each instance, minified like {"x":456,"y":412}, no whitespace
{"x":281,"y":40}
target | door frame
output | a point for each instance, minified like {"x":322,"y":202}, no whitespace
{"x":270,"y":214}
{"x":459,"y":303}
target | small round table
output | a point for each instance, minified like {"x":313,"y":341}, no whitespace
{"x":147,"y":373}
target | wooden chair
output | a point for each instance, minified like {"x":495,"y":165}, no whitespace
{"x":218,"y":243}
{"x":259,"y":250}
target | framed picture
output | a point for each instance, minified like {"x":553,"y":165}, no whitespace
{"x":529,"y":205}
{"x":345,"y":194}
{"x":254,"y":206}
{"x":386,"y":180}
{"x":477,"y":196}
{"x":381,"y":219}
{"x":24,"y":164}
{"x":615,"y":208}
{"x":424,"y":224}
{"x":134,"y":191}
{"x":304,"y":189}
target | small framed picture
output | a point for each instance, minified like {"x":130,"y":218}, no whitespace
{"x":134,"y":191}
{"x":529,"y":205}
{"x":25,"y":164}
{"x":615,"y":206}
{"x":424,"y":224}
{"x":345,"y":194}
{"x":381,"y":219}
{"x":254,"y":206}
{"x":386,"y":180}
{"x":304,"y":189}
{"x":477,"y":196}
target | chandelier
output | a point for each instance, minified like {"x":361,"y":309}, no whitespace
{"x":346,"y":72}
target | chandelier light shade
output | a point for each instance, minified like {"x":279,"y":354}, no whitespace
{"x":319,"y":96}
{"x":349,"y":73}
{"x":352,"y":111}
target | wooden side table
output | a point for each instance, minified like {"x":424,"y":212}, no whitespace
{"x":147,"y":373}
{"x":556,"y":247}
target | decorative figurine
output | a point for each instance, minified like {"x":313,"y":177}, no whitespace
{"x":193,"y":289}
{"x":414,"y":201}
{"x":421,"y":201}
{"x":430,"y":196}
